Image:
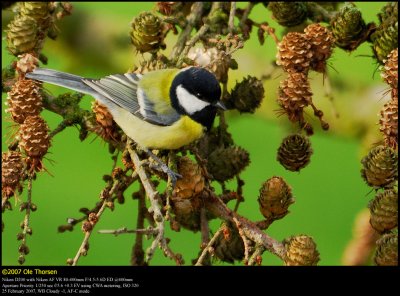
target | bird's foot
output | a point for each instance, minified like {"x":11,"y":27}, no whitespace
{"x":161,"y":166}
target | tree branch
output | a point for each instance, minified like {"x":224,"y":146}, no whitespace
{"x":124,"y":230}
{"x":137,"y":255}
{"x":155,"y":209}
{"x":232,"y":13}
{"x":83,"y":248}
{"x":319,"y":13}
{"x":250,"y":230}
{"x":207,"y":249}
{"x":192,"y":19}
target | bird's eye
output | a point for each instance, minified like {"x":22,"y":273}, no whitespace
{"x":198,"y":95}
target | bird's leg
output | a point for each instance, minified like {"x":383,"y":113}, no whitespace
{"x":164,"y":168}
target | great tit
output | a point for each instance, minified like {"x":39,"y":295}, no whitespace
{"x":163,"y":109}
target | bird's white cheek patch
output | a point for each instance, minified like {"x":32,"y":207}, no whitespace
{"x":189,"y":102}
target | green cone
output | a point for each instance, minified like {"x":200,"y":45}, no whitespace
{"x":224,"y":163}
{"x":385,"y":38}
{"x":247,"y":95}
{"x":348,"y":27}
{"x":146,"y":33}
{"x":288,"y":14}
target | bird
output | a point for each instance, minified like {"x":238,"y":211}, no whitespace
{"x":162,"y":109}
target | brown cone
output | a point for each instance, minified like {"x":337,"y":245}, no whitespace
{"x":247,"y":95}
{"x":24,"y":100}
{"x":295,"y":152}
{"x":380,"y":167}
{"x":185,"y":199}
{"x":389,"y":122}
{"x":384,"y":210}
{"x":275,"y":198}
{"x":11,"y":172}
{"x":301,"y":250}
{"x":107,"y":128}
{"x":294,"y":94}
{"x":294,"y":53}
{"x":224,"y":163}
{"x":192,"y":182}
{"x":35,"y":141}
{"x":322,"y":42}
{"x":390,"y":71}
{"x":229,"y":246}
{"x":387,"y":251}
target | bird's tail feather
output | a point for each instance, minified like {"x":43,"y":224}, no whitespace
{"x":66,"y":80}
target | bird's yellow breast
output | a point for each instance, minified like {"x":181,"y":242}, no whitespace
{"x":147,"y":135}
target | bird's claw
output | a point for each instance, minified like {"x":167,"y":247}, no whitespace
{"x":161,"y":166}
{"x":173,"y":177}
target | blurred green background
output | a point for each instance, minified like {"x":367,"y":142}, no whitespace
{"x":94,"y":42}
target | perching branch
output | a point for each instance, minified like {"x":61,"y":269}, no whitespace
{"x":155,"y":209}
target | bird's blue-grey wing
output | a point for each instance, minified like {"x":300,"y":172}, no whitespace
{"x":123,"y":90}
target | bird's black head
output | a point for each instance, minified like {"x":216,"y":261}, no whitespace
{"x":196,"y":92}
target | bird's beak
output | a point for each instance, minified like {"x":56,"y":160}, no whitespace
{"x":220,"y":105}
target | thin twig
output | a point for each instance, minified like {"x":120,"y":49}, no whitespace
{"x":270,"y":31}
{"x":191,"y":43}
{"x":320,"y":14}
{"x":192,"y":19}
{"x":329,"y":93}
{"x":232,"y":13}
{"x":264,"y":224}
{"x":128,"y":181}
{"x":62,"y":126}
{"x":207,"y":249}
{"x":239,"y":193}
{"x":243,"y":20}
{"x":124,"y":230}
{"x":246,"y":13}
{"x":205,"y":229}
{"x":255,"y":257}
{"x":26,"y":227}
{"x":245,"y":240}
{"x":170,"y":185}
{"x":83,"y":247}
{"x":137,"y":255}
